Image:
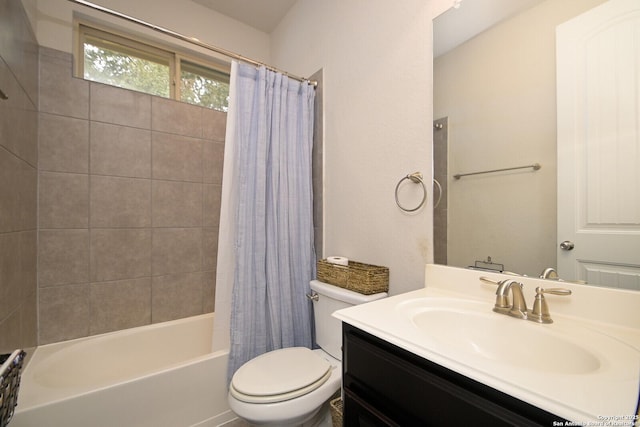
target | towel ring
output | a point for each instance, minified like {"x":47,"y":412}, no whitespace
{"x":416,"y":178}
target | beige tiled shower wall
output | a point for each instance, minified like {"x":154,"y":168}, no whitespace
{"x":129,"y":205}
{"x":18,"y":178}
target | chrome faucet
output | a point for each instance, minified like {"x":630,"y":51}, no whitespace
{"x":518,"y":308}
{"x":550,"y":273}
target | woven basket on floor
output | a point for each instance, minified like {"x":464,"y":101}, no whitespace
{"x":336,"y":411}
{"x":358,"y":277}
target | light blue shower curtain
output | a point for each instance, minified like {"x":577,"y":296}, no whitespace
{"x":272,"y":139}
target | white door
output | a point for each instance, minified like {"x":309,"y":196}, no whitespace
{"x":598,"y":75}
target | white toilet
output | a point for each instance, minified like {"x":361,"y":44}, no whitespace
{"x":292,"y":386}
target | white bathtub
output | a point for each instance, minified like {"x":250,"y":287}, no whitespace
{"x":158,"y":375}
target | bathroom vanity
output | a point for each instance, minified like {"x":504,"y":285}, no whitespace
{"x":441,"y":356}
{"x":385,"y":385}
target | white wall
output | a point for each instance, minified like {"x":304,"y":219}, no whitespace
{"x":54,"y":24}
{"x":376,"y":60}
{"x":499,"y":92}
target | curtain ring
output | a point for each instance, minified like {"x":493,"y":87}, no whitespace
{"x":416,"y":178}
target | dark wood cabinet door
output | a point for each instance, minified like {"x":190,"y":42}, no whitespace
{"x":385,"y":385}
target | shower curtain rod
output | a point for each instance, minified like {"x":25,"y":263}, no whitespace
{"x":191,"y":40}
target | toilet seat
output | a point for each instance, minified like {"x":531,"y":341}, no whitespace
{"x":280,"y":375}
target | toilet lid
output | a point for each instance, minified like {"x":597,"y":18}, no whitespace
{"x":280,"y":375}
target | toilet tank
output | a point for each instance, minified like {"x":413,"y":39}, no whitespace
{"x":330,"y":299}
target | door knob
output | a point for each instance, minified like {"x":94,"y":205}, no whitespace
{"x":567,"y":245}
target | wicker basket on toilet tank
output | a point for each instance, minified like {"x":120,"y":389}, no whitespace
{"x":358,"y":277}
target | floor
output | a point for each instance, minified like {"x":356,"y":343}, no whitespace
{"x":236,"y":423}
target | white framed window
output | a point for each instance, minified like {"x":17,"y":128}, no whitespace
{"x":125,"y":62}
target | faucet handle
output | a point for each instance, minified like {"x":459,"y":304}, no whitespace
{"x":540,"y":312}
{"x":502,"y":304}
{"x":489,"y":281}
{"x":554,"y":291}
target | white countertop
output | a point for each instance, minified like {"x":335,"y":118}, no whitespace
{"x":605,"y":386}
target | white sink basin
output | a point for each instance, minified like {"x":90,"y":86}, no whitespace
{"x":581,"y":367}
{"x":473,"y":328}
{"x":512,"y":342}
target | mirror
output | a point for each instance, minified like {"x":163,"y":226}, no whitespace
{"x":495,"y":108}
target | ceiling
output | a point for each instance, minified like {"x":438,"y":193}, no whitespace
{"x":456,"y":26}
{"x":452,"y":28}
{"x":261,"y":14}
